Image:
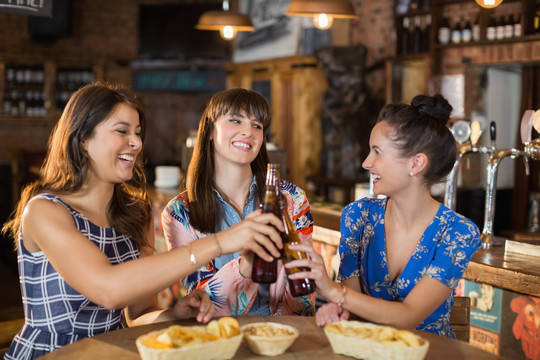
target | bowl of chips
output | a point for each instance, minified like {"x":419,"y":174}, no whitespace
{"x":218,"y":340}
{"x":269,"y":338}
{"x":368,"y":341}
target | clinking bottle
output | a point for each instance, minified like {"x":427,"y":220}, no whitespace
{"x":298,"y":287}
{"x":265,"y":272}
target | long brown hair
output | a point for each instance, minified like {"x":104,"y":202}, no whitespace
{"x":200,"y":175}
{"x":66,"y":165}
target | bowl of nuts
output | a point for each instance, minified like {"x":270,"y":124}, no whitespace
{"x":269,"y":338}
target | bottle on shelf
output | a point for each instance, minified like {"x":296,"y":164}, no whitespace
{"x":298,"y":287}
{"x":509,"y":26}
{"x":265,"y":272}
{"x":405,"y":36}
{"x":517,"y":25}
{"x":444,"y":31}
{"x":499,"y":29}
{"x":466,"y":32}
{"x":426,"y":31}
{"x":476,"y":29}
{"x":417,"y":36}
{"x":456,"y":32}
{"x":491,"y":31}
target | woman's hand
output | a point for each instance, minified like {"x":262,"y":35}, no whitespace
{"x":329,"y":313}
{"x":254,"y":234}
{"x":195,"y":304}
{"x":325,"y":286}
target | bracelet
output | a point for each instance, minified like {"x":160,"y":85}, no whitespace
{"x":344,"y":291}
{"x":192,"y":258}
{"x":219,"y":250}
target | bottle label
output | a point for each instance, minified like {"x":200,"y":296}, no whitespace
{"x":466,"y":35}
{"x":444,"y":35}
{"x":476,"y":33}
{"x":500,"y":32}
{"x":490,"y":33}
{"x":517,"y":30}
{"x":456,"y":36}
{"x":508,"y":31}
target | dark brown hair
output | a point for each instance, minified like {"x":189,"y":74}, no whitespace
{"x":66,"y":165}
{"x":421,"y":128}
{"x":200,"y":175}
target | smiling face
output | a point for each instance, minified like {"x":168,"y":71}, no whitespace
{"x":237,"y":138}
{"x":114,"y":146}
{"x":390,"y":171}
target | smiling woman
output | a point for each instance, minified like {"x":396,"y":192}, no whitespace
{"x":225,"y":184}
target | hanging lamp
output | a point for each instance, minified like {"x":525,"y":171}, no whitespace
{"x":228,"y":23}
{"x":489,"y":4}
{"x":323,"y":11}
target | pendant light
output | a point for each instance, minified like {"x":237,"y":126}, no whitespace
{"x":228,"y":23}
{"x":323,"y":11}
{"x":489,"y":4}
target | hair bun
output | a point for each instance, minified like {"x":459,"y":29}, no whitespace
{"x":435,"y":106}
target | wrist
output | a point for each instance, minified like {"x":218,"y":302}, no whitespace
{"x":338,"y":294}
{"x":245,"y":266}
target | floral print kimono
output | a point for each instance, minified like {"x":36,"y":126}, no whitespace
{"x":232,"y":293}
{"x":443,"y":253}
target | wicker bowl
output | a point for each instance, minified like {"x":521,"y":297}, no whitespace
{"x":222,"y":349}
{"x":268,"y":338}
{"x":372,"y":342}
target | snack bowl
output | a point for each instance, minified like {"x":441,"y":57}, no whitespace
{"x":269,"y":338}
{"x":150,"y":348}
{"x":368,"y":341}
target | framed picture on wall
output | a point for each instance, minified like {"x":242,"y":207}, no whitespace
{"x":276,"y":35}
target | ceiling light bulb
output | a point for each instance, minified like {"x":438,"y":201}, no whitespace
{"x":323,"y":21}
{"x":489,"y":4}
{"x":228,"y":32}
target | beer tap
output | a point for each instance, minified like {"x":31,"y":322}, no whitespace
{"x":466,"y":147}
{"x":531,"y":150}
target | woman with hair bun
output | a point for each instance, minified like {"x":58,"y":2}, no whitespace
{"x":402,"y":255}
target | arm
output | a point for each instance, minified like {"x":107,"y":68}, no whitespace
{"x":49,"y":227}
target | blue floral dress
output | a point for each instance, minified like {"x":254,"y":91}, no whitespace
{"x":55,"y":313}
{"x":443,"y":253}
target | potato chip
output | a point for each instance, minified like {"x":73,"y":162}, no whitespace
{"x":212,"y":328}
{"x":228,"y":326}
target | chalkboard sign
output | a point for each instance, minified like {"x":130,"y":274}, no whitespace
{"x":179,"y":80}
{"x":27,"y":7}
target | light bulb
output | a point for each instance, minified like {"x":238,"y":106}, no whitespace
{"x":323,"y":21}
{"x":489,"y":4}
{"x":228,"y":32}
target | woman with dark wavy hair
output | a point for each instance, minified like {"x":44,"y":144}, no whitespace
{"x":81,"y":228}
{"x":402,"y":254}
{"x":225,"y":183}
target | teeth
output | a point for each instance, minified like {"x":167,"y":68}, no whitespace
{"x":376,"y":177}
{"x":242,"y":145}
{"x":126,"y":157}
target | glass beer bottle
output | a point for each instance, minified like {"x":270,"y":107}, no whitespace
{"x":265,"y":272}
{"x":298,"y":287}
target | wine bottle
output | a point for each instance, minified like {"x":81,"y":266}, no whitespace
{"x":466,"y":33}
{"x":456,"y":32}
{"x":298,"y":287}
{"x":265,"y":272}
{"x":517,"y":25}
{"x":426,"y":31}
{"x":405,"y":36}
{"x":500,"y":28}
{"x":417,"y":36}
{"x":476,"y":29}
{"x":444,"y":31}
{"x":509,"y":26}
{"x":491,"y":31}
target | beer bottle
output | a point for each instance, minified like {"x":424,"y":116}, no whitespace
{"x":298,"y":287}
{"x":265,"y":272}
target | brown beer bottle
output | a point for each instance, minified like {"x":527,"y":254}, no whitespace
{"x":266,"y":272}
{"x":299,"y":287}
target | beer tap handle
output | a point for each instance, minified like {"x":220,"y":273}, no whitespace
{"x":493,"y":134}
{"x":526,"y":126}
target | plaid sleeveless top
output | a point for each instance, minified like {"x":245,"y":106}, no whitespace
{"x":55,"y":313}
